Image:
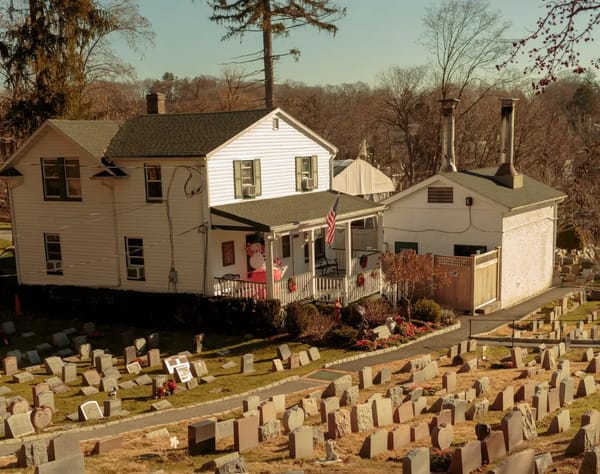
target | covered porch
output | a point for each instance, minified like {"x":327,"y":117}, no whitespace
{"x":275,"y":249}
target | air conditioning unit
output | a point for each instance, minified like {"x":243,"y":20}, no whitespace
{"x":54,"y":266}
{"x":308,"y":184}
{"x":248,"y":190}
{"x":135,"y":273}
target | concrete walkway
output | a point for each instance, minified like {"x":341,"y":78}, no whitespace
{"x":469,"y":325}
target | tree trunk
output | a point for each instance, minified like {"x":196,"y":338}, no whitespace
{"x":268,"y":54}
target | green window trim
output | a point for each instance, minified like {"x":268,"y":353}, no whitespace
{"x":307,"y":169}
{"x":240,"y":192}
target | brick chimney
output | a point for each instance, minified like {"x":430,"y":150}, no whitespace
{"x":449,"y":162}
{"x":155,"y":103}
{"x":507,"y":174}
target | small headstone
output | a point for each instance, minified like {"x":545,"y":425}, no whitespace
{"x":89,"y":410}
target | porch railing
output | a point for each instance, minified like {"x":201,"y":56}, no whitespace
{"x":326,"y":288}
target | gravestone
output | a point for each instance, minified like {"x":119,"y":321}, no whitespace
{"x":53,"y":365}
{"x":250,"y":403}
{"x":350,"y":396}
{"x":584,"y":440}
{"x":129,"y":354}
{"x":591,"y":461}
{"x":10,"y":365}
{"x":521,"y":462}
{"x":18,"y":425}
{"x":89,"y":410}
{"x":112,"y":407}
{"x":108,"y":384}
{"x":277,"y":365}
{"x":183,"y":373}
{"x":560,"y":422}
{"x":416,"y":461}
{"x":365,"y":378}
{"x":382,"y":412}
{"x":247,"y":364}
{"x":540,"y":403}
{"x":337,"y":387}
{"x":493,"y":448}
{"x":404,"y":413}
{"x":198,"y":340}
{"x":314,"y":354}
{"x":327,"y":405}
{"x":293,"y":361}
{"x":361,"y":418}
{"x":301,"y":442}
{"x":153,"y":357}
{"x":202,"y":437}
{"x":41,"y":417}
{"x":466,"y":458}
{"x":449,"y":381}
{"x":310,"y":406}
{"x":442,"y":436}
{"x":69,"y":373}
{"x":45,"y":399}
{"x":62,"y":446}
{"x":399,"y":437}
{"x":198,"y":368}
{"x":133,"y":368}
{"x":304,"y":358}
{"x":91,"y":378}
{"x":60,"y":339}
{"x":338,"y":423}
{"x":33,"y":357}
{"x":512,"y":429}
{"x":266,"y":412}
{"x":245,"y":433}
{"x":383,"y":376}
{"x":32,"y":454}
{"x":103,"y":362}
{"x":419,"y":431}
{"x":374,"y":444}
{"x":283,"y":352}
{"x":505,"y":399}
{"x":293,"y":418}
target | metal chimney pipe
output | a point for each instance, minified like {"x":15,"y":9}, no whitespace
{"x":448,"y":106}
{"x":506,"y":173}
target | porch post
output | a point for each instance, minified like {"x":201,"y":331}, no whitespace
{"x":311,"y":262}
{"x":379,"y":229}
{"x":269,"y":266}
{"x":348,"y":258}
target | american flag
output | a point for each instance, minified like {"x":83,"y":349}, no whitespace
{"x":330,"y":218}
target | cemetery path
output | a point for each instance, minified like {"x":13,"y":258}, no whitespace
{"x":469,"y":325}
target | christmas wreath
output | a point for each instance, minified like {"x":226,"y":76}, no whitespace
{"x":364,"y":259}
{"x":292,"y":284}
{"x":360,"y":279}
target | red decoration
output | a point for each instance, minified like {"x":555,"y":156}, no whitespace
{"x":292,"y":284}
{"x":360,"y":280}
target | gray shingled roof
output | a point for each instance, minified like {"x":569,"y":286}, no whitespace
{"x":269,"y":214}
{"x":179,"y":135}
{"x":481,"y":181}
{"x":92,"y":135}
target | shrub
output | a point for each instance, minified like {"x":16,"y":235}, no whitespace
{"x":318,"y":326}
{"x":342,"y":336}
{"x":439,"y":460}
{"x":299,"y":316}
{"x":427,"y":310}
{"x":376,"y":312}
{"x":447,"y":316}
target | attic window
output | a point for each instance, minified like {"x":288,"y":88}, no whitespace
{"x":440,"y":194}
{"x":275,"y":123}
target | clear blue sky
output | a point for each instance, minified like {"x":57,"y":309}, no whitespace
{"x":375,"y":35}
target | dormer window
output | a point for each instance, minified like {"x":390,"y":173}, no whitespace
{"x":246,"y":176}
{"x":306,"y":173}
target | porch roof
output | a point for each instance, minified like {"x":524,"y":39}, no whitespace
{"x":290,"y":212}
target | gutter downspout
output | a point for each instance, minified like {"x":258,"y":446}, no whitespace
{"x":14,"y":233}
{"x":116,"y":231}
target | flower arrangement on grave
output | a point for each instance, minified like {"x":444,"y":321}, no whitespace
{"x":360,"y":279}
{"x":291,"y":284}
{"x":363,"y":260}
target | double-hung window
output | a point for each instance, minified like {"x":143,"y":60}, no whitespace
{"x":61,"y":179}
{"x":306,"y":173}
{"x":246,"y":177}
{"x":134,"y":248}
{"x":153,"y":178}
{"x":53,"y":254}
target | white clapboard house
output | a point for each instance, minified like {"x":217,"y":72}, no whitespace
{"x":230,"y":203}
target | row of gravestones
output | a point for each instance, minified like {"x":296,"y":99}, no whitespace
{"x":286,"y":358}
{"x":249,"y":430}
{"x":104,"y":376}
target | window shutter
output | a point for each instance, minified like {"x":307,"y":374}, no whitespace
{"x":314,"y":169}
{"x":237,"y":179}
{"x":257,"y":182}
{"x":298,"y":173}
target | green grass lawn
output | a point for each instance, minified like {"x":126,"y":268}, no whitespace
{"x":138,"y":400}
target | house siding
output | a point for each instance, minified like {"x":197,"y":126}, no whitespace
{"x":527,"y":254}
{"x":87,"y":247}
{"x":156,"y":222}
{"x":437,"y":227}
{"x":276,"y":150}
